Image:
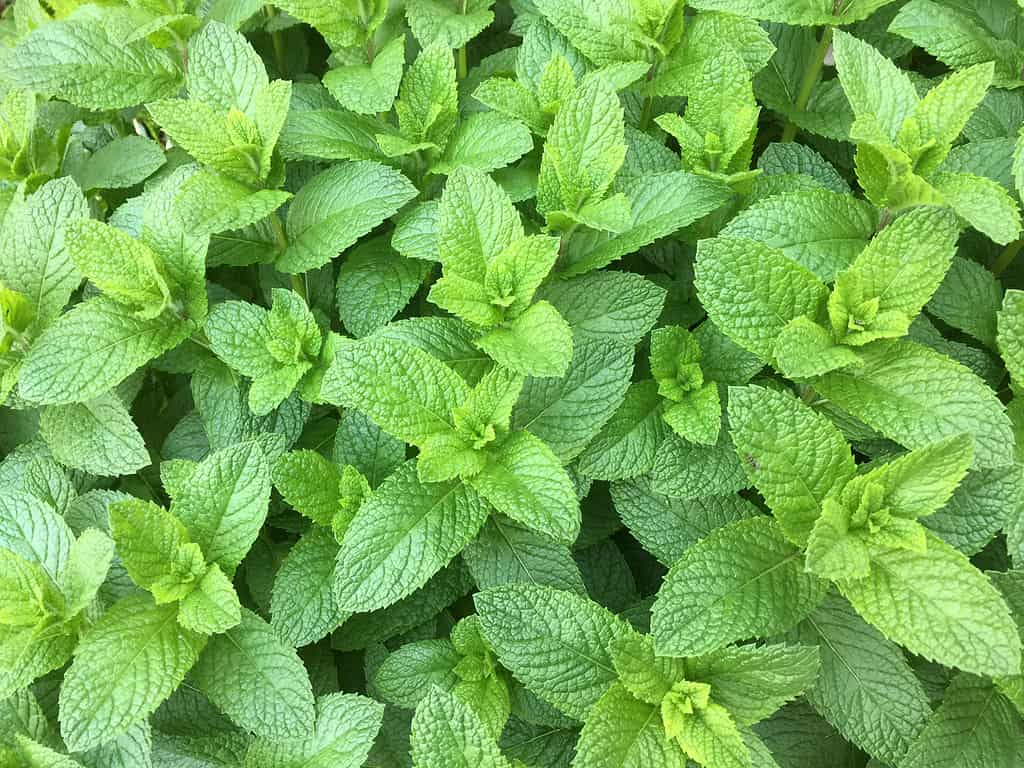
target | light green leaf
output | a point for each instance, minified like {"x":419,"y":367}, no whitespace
{"x":375,"y":284}
{"x":97,"y":436}
{"x":485,"y":141}
{"x":623,"y":732}
{"x":598,"y":29}
{"x":517,"y":344}
{"x":1010,"y":336}
{"x":121,"y":163}
{"x":627,"y":444}
{"x":525,"y":480}
{"x":794,"y":456}
{"x":799,"y":12}
{"x":336,"y":208}
{"x":257,"y":680}
{"x":303,"y":605}
{"x":212,"y":607}
{"x":751,"y":291}
{"x":741,"y":580}
{"x":404,"y":534}
{"x":84,"y":62}
{"x":129,"y":662}
{"x":983,"y":203}
{"x":85,"y":569}
{"x":224,"y":70}
{"x":210,"y":203}
{"x":93,"y":348}
{"x":447,"y":733}
{"x":907,"y":598}
{"x":369,"y":88}
{"x":428,"y":101}
{"x":554,"y":642}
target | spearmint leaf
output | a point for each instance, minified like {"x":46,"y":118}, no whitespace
{"x":97,"y":436}
{"x":212,"y":607}
{"x":598,"y":30}
{"x":129,"y":662}
{"x":346,"y":725}
{"x":973,"y":719}
{"x":554,"y":642}
{"x":374,"y":285}
{"x":1010,"y":336}
{"x":33,"y":256}
{"x":447,"y":733}
{"x":336,"y":208}
{"x":303,"y":605}
{"x":875,"y":87}
{"x":741,"y":580}
{"x":225,"y":503}
{"x":865,"y":689}
{"x":660,"y":204}
{"x":821,"y":230}
{"x":210,"y":203}
{"x":916,"y":396}
{"x":514,"y":345}
{"x":609,"y":305}
{"x":86,"y":569}
{"x":906,"y":597}
{"x":257,"y":680}
{"x":404,"y":534}
{"x":406,"y":675}
{"x":93,"y":348}
{"x":627,"y":444}
{"x":224,"y":70}
{"x":428,"y":102}
{"x":310,"y":484}
{"x":86,"y":64}
{"x":566,"y":413}
{"x":525,"y":480}
{"x":751,"y":291}
{"x":507,"y":553}
{"x":121,"y":163}
{"x":798,"y":12}
{"x":686,"y":470}
{"x":584,"y":149}
{"x":977,"y":509}
{"x":369,"y":88}
{"x":969,"y":299}
{"x":486,"y":141}
{"x":361,"y":443}
{"x":794,"y":456}
{"x":371,"y":375}
{"x":623,"y":732}
{"x":983,"y":203}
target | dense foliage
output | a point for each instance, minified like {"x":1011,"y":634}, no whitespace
{"x":530,"y":384}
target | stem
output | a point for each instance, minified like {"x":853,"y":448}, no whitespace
{"x":811,"y":76}
{"x":278,"y":42}
{"x":298,"y":281}
{"x":463,"y":64}
{"x":299,"y":286}
{"x":645,"y":115}
{"x":1007,"y":256}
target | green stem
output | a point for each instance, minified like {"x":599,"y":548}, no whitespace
{"x":811,"y":76}
{"x":645,"y":115}
{"x":1007,"y":256}
{"x":463,"y":64}
{"x":277,"y":39}
{"x":299,"y":286}
{"x":298,"y":281}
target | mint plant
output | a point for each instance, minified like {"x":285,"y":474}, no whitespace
{"x":511,"y":384}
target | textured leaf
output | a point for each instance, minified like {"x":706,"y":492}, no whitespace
{"x":258,"y":681}
{"x":624,"y":732}
{"x":404,"y":534}
{"x":98,"y":436}
{"x":303,"y":604}
{"x":741,"y":580}
{"x":128,"y":663}
{"x":447,"y":733}
{"x":554,"y":642}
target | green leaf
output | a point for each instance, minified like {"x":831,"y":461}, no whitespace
{"x":821,"y":230}
{"x":33,"y":256}
{"x":224,"y":70}
{"x":623,"y":732}
{"x":798,"y":12}
{"x":121,"y":163}
{"x":598,"y":29}
{"x":506,"y":553}
{"x":711,"y":737}
{"x":447,"y":733}
{"x":303,"y":605}
{"x":404,"y":534}
{"x":751,"y":291}
{"x":865,"y":689}
{"x":876,"y":88}
{"x":86,"y":63}
{"x":973,"y":722}
{"x":374,"y":284}
{"x":210,"y":203}
{"x":346,"y":725}
{"x":406,"y":675}
{"x":336,"y":208}
{"x":155,"y":549}
{"x":310,"y":484}
{"x":97,"y":436}
{"x":369,"y":88}
{"x":485,"y":141}
{"x":515,"y":344}
{"x":428,"y":102}
{"x":969,"y":299}
{"x":584,"y":149}
{"x":212,"y":607}
{"x":373,"y":376}
{"x":85,"y":569}
{"x":225,"y":503}
{"x":983,"y":203}
{"x":741,"y":580}
{"x":794,"y":456}
{"x":916,"y":396}
{"x":687,"y":470}
{"x":753,"y":681}
{"x":646,"y":676}
{"x":257,"y":680}
{"x":525,"y":480}
{"x":1010,"y":336}
{"x":129,"y":662}
{"x":944,"y":111}
{"x":93,"y":348}
{"x":907,"y":598}
{"x":627,"y":444}
{"x":554,"y":642}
